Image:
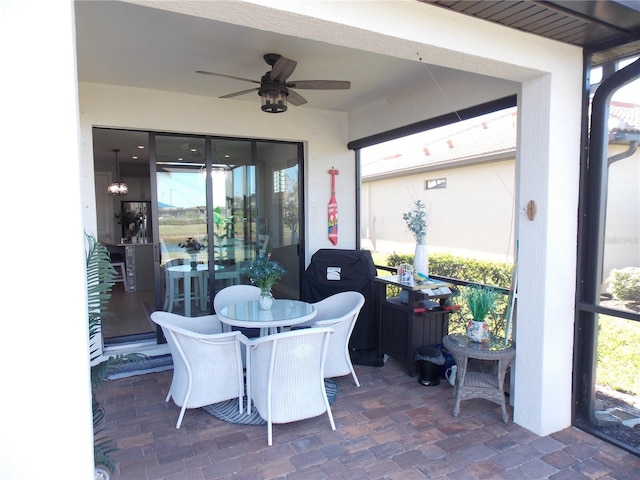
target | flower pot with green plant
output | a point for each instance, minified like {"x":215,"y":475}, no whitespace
{"x":131,"y":220}
{"x":263,"y":273}
{"x":416,"y":220}
{"x":481,"y":301}
{"x":100,"y":275}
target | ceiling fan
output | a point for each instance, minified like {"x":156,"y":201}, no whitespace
{"x":274,"y":88}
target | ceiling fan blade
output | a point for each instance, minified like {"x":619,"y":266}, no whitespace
{"x":295,"y":98}
{"x":282,"y":69}
{"x":229,"y":95}
{"x":227,"y":76}
{"x":320,"y":84}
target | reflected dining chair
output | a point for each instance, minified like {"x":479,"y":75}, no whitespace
{"x":284,"y":376}
{"x":207,"y":364}
{"x":340,"y":312}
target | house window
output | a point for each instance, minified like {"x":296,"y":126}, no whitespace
{"x":435,"y":183}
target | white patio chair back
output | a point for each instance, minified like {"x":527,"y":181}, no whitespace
{"x":207,"y":364}
{"x":284,"y":376}
{"x":235,"y":294}
{"x":339,"y":312}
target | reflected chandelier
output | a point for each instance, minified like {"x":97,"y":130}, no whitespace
{"x":117,"y":188}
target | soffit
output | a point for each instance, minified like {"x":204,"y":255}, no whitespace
{"x":610,"y":30}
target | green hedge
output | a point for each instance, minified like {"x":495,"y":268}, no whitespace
{"x":497,"y":274}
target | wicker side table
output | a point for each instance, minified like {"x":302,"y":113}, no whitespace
{"x":480,"y":384}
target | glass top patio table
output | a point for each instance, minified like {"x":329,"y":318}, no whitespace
{"x":283,"y":313}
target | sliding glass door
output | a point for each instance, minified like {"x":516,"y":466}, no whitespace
{"x":221,"y":203}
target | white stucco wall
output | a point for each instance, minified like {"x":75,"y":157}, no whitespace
{"x":46,"y":398}
{"x":324,"y":134}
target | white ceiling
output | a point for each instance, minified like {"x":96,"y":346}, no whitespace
{"x":124,"y":44}
{"x":120,"y":43}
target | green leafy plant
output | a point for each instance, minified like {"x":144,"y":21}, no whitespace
{"x":221,"y":224}
{"x":130,"y":219}
{"x":100,"y":276}
{"x":480,"y":300}
{"x":416,"y":221}
{"x":624,"y":284}
{"x":263,"y":273}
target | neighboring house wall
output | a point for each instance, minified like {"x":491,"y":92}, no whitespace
{"x":621,"y":247}
{"x":472,"y":216}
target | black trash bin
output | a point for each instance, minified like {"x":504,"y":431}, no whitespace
{"x":429,"y":361}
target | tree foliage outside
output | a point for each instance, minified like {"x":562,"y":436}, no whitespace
{"x":624,"y":284}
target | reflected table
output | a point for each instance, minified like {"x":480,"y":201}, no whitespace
{"x":283,"y":313}
{"x":200,"y":274}
{"x":480,"y":383}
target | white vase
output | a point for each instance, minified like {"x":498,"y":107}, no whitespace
{"x":265,"y":300}
{"x":420,"y":261}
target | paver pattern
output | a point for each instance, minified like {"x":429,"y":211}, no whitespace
{"x":391,"y":427}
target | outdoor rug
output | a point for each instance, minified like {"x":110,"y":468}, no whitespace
{"x":228,"y":410}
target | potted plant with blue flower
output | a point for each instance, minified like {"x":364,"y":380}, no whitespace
{"x":263,"y":273}
{"x":193,"y":247}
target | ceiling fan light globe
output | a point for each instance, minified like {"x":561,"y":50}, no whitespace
{"x":273,"y":101}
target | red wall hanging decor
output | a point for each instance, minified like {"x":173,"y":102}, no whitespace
{"x":333,"y":209}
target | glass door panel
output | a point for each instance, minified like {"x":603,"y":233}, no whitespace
{"x":229,"y":184}
{"x":182,"y":223}
{"x":278,"y":213}
{"x":223,"y":202}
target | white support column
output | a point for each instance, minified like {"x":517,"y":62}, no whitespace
{"x":46,"y":396}
{"x":548,"y":174}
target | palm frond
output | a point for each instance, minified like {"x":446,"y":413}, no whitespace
{"x":114,"y":365}
{"x":100,"y":276}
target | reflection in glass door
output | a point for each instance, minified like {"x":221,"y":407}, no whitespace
{"x":246,"y":205}
{"x":182,"y":223}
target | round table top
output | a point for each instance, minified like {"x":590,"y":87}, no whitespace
{"x":186,"y":268}
{"x":201,"y":267}
{"x":493,"y":348}
{"x":283,"y":313}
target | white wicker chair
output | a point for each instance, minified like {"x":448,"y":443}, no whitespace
{"x":207,"y":364}
{"x":284,"y":376}
{"x":236,"y":294}
{"x":340,"y":312}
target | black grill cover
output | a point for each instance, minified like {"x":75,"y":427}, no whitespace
{"x":356,"y":273}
